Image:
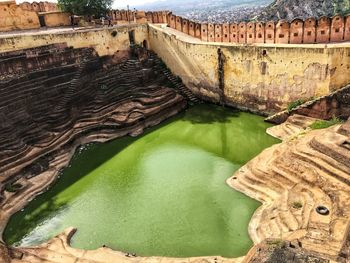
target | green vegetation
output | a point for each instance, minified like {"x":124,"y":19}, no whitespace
{"x":96,"y":8}
{"x":297,"y":205}
{"x":341,"y":7}
{"x":322,"y":124}
{"x":295,"y":104}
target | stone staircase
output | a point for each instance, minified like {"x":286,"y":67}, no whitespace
{"x":74,"y":83}
{"x":45,"y":109}
{"x":175,"y":81}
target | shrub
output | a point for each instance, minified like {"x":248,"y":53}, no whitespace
{"x":322,"y":124}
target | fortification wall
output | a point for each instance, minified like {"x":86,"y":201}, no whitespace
{"x":25,"y":15}
{"x":13,"y":17}
{"x":263,"y":78}
{"x":39,"y":6}
{"x":260,"y":77}
{"x":310,"y":31}
{"x":55,"y":19}
{"x":105,"y":41}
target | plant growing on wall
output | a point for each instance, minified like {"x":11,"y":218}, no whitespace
{"x":322,"y":124}
{"x":96,"y":8}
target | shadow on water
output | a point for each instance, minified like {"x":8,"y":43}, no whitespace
{"x":216,"y":114}
{"x":81,"y":164}
{"x":50,"y":212}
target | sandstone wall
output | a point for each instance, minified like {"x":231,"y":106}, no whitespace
{"x":310,"y":31}
{"x":39,"y":6}
{"x":54,"y":97}
{"x":129,"y":16}
{"x":25,"y":15}
{"x":263,"y":77}
{"x":55,"y":19}
{"x":104,"y":41}
{"x":13,"y":17}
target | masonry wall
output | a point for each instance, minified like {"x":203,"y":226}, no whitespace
{"x":263,"y":78}
{"x":12,"y":17}
{"x":105,"y":41}
{"x":55,"y":19}
{"x":310,"y":31}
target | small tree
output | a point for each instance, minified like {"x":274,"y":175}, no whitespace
{"x":96,"y":8}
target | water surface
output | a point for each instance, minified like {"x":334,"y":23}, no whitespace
{"x":161,"y":194}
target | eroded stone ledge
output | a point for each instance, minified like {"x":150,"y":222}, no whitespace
{"x":292,"y":179}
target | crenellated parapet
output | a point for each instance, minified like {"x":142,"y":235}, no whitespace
{"x":136,"y":16}
{"x":309,"y":31}
{"x":298,"y":31}
{"x":39,"y":6}
{"x":26,"y":15}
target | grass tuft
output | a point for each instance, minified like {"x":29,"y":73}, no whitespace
{"x":322,"y":124}
{"x":295,"y":104}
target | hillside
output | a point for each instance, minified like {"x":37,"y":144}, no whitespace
{"x":290,"y":9}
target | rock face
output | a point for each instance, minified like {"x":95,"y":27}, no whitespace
{"x":292,"y":180}
{"x":293,"y":126}
{"x":335,"y":104}
{"x":290,"y":9}
{"x":54,"y":98}
{"x":278,"y":251}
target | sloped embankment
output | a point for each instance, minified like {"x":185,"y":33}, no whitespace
{"x":292,"y":180}
{"x":55,"y":98}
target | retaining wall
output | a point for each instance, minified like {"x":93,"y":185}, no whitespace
{"x":263,"y":78}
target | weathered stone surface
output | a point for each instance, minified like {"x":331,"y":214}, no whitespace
{"x":293,"y":126}
{"x":47,"y":112}
{"x":335,"y":104}
{"x":262,"y":78}
{"x":57,"y":250}
{"x":105,"y":41}
{"x":292,"y":179}
{"x":278,"y":251}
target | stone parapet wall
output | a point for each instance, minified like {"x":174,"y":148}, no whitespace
{"x":112,"y":41}
{"x":39,"y":6}
{"x":25,"y":15}
{"x":128,"y":16}
{"x":310,"y":31}
{"x":13,"y":17}
{"x":298,"y":31}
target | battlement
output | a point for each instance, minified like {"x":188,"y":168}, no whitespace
{"x":29,"y":15}
{"x":309,"y":31}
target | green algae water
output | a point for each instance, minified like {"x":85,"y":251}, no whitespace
{"x":161,"y":194}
